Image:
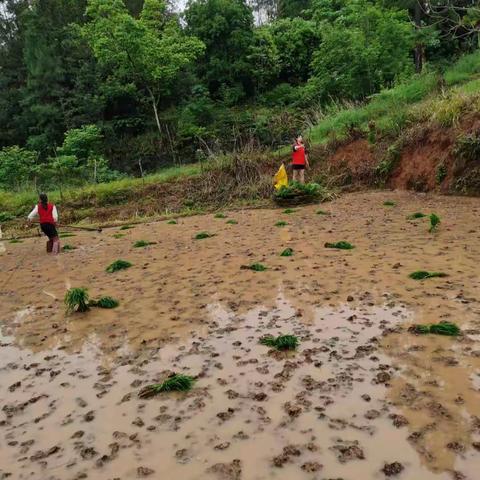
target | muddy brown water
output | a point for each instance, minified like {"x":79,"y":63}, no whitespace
{"x":361,"y":399}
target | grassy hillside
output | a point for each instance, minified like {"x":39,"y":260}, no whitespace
{"x":387,"y":124}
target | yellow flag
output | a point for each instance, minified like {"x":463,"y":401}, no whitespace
{"x":281,"y":178}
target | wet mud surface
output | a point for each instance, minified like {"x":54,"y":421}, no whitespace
{"x":361,"y":398}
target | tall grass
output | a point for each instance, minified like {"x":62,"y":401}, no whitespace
{"x":464,"y":69}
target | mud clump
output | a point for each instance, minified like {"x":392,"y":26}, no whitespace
{"x":144,"y":472}
{"x":311,"y":467}
{"x":347,"y":451}
{"x":392,"y":469}
{"x":227,"y":471}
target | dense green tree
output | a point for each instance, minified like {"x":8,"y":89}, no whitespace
{"x":18,"y":166}
{"x":226,"y":28}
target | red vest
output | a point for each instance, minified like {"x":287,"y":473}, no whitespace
{"x":46,"y":214}
{"x":298,"y":155}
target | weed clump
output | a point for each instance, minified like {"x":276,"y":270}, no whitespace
{"x":340,"y":245}
{"x":220,"y":215}
{"x":118,"y":265}
{"x":441,"y":328}
{"x":118,"y":235}
{"x":172,"y":222}
{"x":67,"y":247}
{"x":142,"y":243}
{"x":105,"y":302}
{"x":281,"y":223}
{"x":202,"y":235}
{"x":126,"y":227}
{"x":288,"y":211}
{"x":76,"y":300}
{"x":422,"y":275}
{"x":434,"y":222}
{"x":416,"y":215}
{"x":288,"y":252}
{"x":5,"y":217}
{"x":296,"y":189}
{"x":232,"y":222}
{"x":174,"y":383}
{"x":389,"y":203}
{"x":282,"y":342}
{"x":256,"y":267}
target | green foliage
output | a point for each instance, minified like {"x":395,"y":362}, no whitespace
{"x":416,"y":215}
{"x":256,"y":267}
{"x":295,"y":189}
{"x":126,"y":227}
{"x":66,"y":235}
{"x":464,"y":69}
{"x":15,"y":240}
{"x":18,"y":166}
{"x":142,"y":243}
{"x":440,"y":173}
{"x":288,"y":211}
{"x":389,"y":203}
{"x":288,"y":252}
{"x":389,"y":162}
{"x":467,"y":147}
{"x":118,"y":265}
{"x":172,"y":222}
{"x":322,"y":212}
{"x":282,"y":342}
{"x":232,"y":222}
{"x":220,"y":215}
{"x":174,"y":383}
{"x":67,"y":247}
{"x":118,"y":235}
{"x":76,"y":300}
{"x":423,"y":274}
{"x":203,"y":235}
{"x":441,"y":328}
{"x":6,"y":217}
{"x":281,"y":223}
{"x":105,"y":302}
{"x":340,"y":245}
{"x":434,"y":222}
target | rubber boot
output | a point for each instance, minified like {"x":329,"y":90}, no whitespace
{"x":56,"y":246}
{"x":49,"y":246}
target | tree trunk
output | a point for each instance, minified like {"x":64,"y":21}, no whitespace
{"x":155,"y":111}
{"x":419,"y":47}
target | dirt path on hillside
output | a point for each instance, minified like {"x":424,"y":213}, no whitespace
{"x":361,"y":399}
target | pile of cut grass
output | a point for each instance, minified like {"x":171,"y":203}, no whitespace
{"x":203,"y":235}
{"x":288,"y":252}
{"x":340,"y":245}
{"x":441,"y":328}
{"x":118,"y":265}
{"x":256,"y":267}
{"x":423,"y":274}
{"x":174,"y":383}
{"x":282,"y":342}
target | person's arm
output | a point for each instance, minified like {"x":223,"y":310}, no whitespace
{"x":33,"y":213}
{"x":55,"y":214}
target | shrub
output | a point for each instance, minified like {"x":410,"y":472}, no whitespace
{"x":5,"y":217}
{"x":76,"y":300}
{"x":296,"y":189}
{"x":423,"y":274}
{"x":118,"y":265}
{"x":176,"y":382}
{"x":282,"y":342}
{"x":202,"y":235}
{"x":18,"y":166}
{"x":467,"y":147}
{"x":340,"y":245}
{"x":288,"y":252}
{"x":441,"y":328}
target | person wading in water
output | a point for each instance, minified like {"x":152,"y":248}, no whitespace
{"x":299,"y":160}
{"x":48,"y":215}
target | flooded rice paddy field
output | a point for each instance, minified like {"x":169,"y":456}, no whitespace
{"x":361,"y":398}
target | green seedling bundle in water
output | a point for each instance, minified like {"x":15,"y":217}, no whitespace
{"x":174,"y":383}
{"x":281,"y":223}
{"x":203,"y":235}
{"x":172,"y":222}
{"x":389,"y":203}
{"x":220,"y":215}
{"x":340,"y":245}
{"x":256,"y":267}
{"x":288,"y":211}
{"x":416,"y":215}
{"x":282,"y":342}
{"x":288,"y":252}
{"x":76,"y":300}
{"x":126,"y":227}
{"x":423,"y":274}
{"x":142,"y":243}
{"x":118,"y":235}
{"x":434,"y":222}
{"x":118,"y":265}
{"x":232,"y":222}
{"x":441,"y":328}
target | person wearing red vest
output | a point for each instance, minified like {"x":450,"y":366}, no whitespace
{"x":299,"y":160}
{"x":48,"y":215}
